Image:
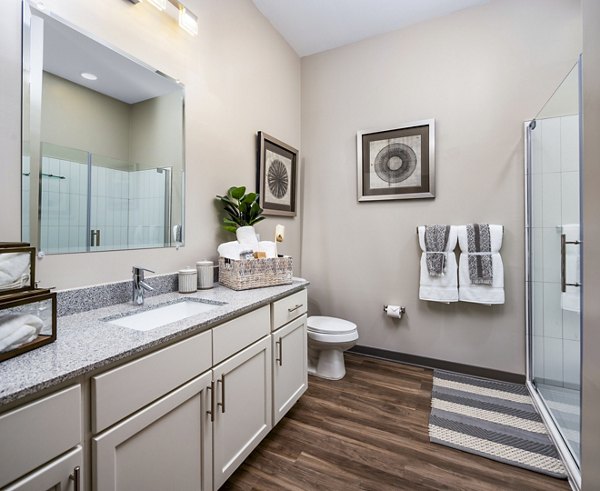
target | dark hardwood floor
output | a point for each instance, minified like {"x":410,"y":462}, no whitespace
{"x":369,"y":432}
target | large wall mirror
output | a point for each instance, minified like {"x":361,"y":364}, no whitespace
{"x":103,"y":144}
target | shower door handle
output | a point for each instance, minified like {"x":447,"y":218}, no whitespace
{"x":563,"y":262}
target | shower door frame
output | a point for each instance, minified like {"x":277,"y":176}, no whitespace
{"x":571,"y":465}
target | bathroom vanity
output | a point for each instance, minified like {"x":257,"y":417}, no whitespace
{"x":177,"y":407}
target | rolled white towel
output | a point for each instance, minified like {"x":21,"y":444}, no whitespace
{"x":14,"y":267}
{"x":18,"y":329}
{"x":230,"y":250}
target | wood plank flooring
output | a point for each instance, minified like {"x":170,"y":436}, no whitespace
{"x":369,"y":432}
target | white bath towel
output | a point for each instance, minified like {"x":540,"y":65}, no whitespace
{"x":480,"y":293}
{"x":14,"y":270}
{"x":439,"y":288}
{"x":496,"y":236}
{"x":269,"y":248}
{"x":247,"y":237}
{"x":570,"y":299}
{"x":18,"y":329}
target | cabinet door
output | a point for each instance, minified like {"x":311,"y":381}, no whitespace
{"x":243,"y":409}
{"x":167,"y":445}
{"x":290,"y":377}
{"x":62,"y":474}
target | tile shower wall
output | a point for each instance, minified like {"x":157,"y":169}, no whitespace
{"x":555,"y":171}
{"x":118,"y":198}
{"x":63,"y":221}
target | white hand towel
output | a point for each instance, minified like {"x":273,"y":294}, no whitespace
{"x":439,"y":288}
{"x":247,"y":237}
{"x":14,"y":267}
{"x":18,"y":329}
{"x":570,"y":300}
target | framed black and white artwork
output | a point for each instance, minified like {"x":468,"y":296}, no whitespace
{"x":277,"y":176}
{"x":397,"y":163}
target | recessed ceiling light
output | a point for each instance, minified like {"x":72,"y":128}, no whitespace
{"x":89,"y":76}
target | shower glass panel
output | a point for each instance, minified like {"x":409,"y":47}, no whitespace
{"x":554,"y":276}
{"x":90,"y":202}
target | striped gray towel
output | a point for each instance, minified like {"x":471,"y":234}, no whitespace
{"x":436,"y":239}
{"x":480,"y":257}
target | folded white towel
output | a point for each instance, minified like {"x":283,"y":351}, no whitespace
{"x":230,"y":250}
{"x":14,"y":269}
{"x":439,"y":288}
{"x":18,"y":329}
{"x":570,"y":299}
{"x":247,"y":237}
{"x":486,"y":294}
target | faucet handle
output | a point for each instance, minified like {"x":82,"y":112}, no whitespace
{"x":138,"y":269}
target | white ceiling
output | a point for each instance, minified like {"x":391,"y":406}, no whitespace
{"x":68,"y":52}
{"x":312,"y":26}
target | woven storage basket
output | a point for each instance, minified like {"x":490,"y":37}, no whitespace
{"x":255,"y":273}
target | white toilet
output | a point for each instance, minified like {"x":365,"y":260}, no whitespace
{"x":328,"y":338}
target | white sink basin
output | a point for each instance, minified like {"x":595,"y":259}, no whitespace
{"x":161,"y":316}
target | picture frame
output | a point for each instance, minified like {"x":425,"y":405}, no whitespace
{"x":396,"y":163}
{"x":277,"y":176}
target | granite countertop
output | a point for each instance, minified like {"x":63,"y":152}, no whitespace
{"x":86,"y":343}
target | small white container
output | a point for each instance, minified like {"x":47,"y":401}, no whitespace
{"x":205,"y":274}
{"x":188,"y":280}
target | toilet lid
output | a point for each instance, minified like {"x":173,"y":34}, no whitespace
{"x":329,"y":325}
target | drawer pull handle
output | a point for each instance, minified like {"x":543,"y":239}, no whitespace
{"x":76,"y":478}
{"x":292,"y":309}
{"x":212,"y":402}
{"x":222,"y":403}
{"x":279,"y":344}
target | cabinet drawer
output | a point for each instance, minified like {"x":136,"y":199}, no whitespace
{"x":235,"y":335}
{"x":38,"y":432}
{"x":119,"y":392}
{"x":288,"y":308}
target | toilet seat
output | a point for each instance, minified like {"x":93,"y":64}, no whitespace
{"x":321,"y":324}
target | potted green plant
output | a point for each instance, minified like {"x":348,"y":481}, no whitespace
{"x":242,"y":209}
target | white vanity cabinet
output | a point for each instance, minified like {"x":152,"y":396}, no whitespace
{"x":38,"y":436}
{"x":243,"y":407}
{"x":167,"y":445}
{"x":290,"y":375}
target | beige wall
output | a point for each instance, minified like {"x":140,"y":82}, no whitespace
{"x":590,"y":435}
{"x":240,"y":77}
{"x":77,"y":117}
{"x":480,"y":73}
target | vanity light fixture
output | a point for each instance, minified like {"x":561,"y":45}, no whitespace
{"x":89,"y":76}
{"x":159,"y":4}
{"x":188,"y":21}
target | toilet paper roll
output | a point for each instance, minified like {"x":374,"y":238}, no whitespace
{"x":394,"y":311}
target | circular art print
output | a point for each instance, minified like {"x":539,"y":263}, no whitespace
{"x":278,"y":171}
{"x":395,"y":163}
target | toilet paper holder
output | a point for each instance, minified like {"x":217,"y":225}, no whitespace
{"x":402,"y":309}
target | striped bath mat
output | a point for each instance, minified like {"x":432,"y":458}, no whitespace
{"x":490,"y":418}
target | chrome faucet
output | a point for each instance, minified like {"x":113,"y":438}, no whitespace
{"x":139,"y":285}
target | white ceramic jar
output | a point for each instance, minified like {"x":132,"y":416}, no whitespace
{"x":188,"y":280}
{"x":205,"y":271}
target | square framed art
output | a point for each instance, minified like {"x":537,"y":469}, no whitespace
{"x":397,"y":163}
{"x":277,"y":176}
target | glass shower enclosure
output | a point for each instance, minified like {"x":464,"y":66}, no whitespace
{"x":553,"y":278}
